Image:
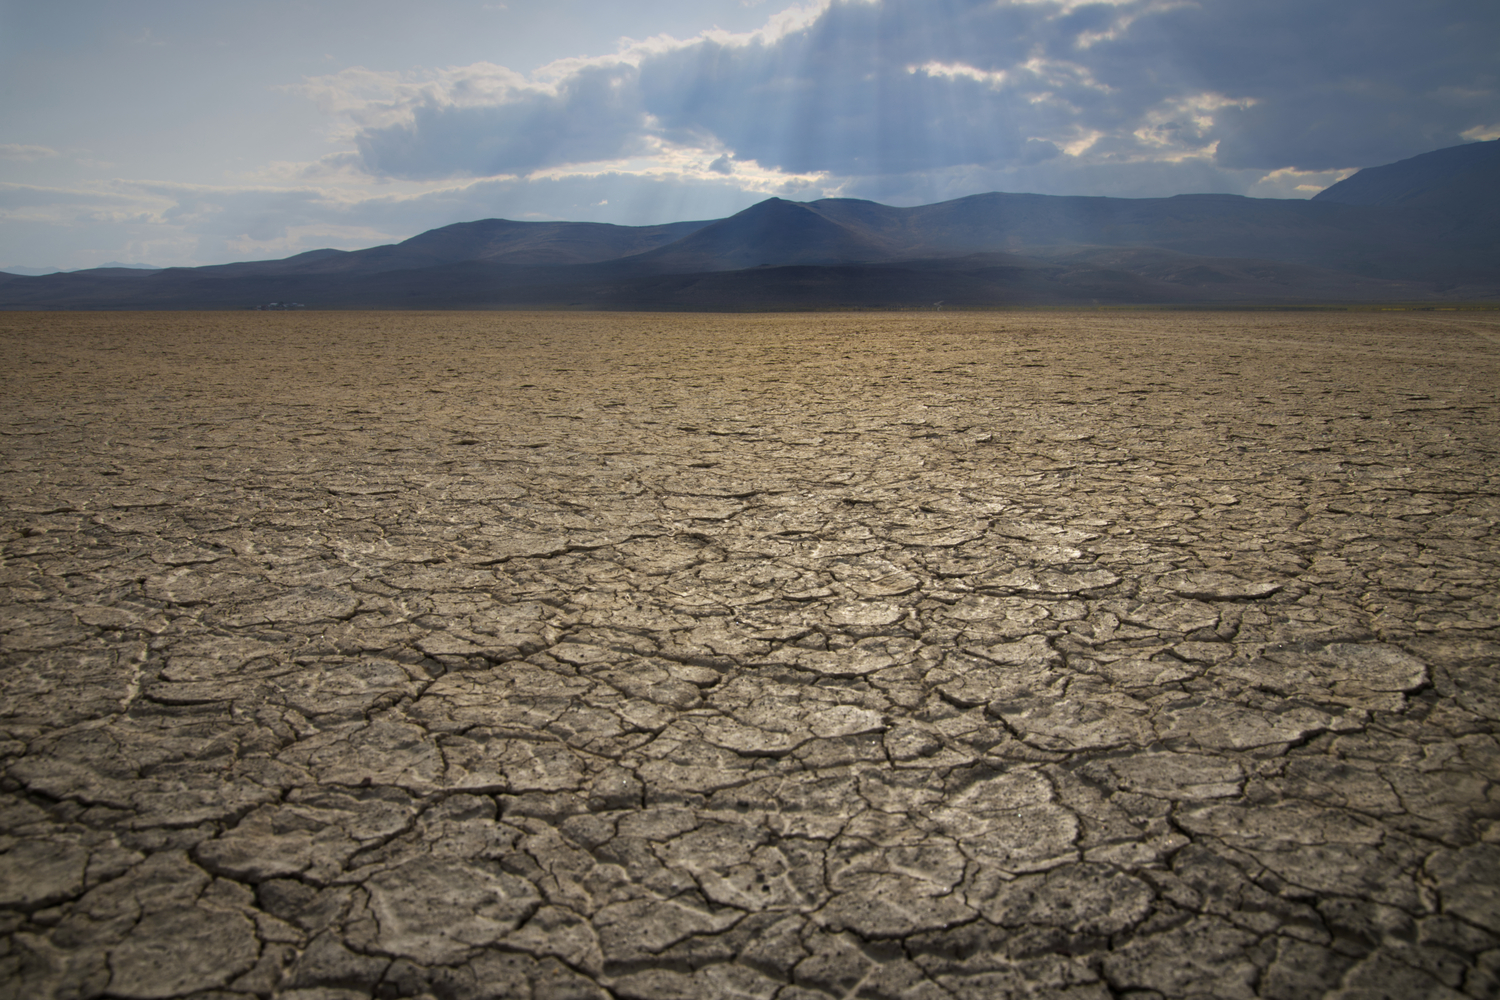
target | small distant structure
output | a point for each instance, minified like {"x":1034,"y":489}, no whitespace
{"x":278,"y":306}
{"x":938,"y":305}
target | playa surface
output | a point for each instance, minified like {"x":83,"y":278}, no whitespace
{"x":1054,"y":655}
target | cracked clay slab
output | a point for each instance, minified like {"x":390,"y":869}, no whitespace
{"x":789,"y":657}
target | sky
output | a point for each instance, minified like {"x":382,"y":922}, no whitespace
{"x":187,"y":132}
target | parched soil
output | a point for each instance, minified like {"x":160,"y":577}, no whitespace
{"x":1052,"y":655}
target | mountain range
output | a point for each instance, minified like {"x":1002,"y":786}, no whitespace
{"x":1422,"y":229}
{"x":21,"y":269}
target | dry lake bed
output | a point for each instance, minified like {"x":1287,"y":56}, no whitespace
{"x":976,"y":656}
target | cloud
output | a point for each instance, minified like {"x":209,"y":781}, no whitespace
{"x":858,"y":90}
{"x":485,"y":120}
{"x":589,"y":115}
{"x":1329,"y":85}
{"x":1184,"y":127}
{"x":12,"y":151}
{"x":1290,"y":183}
{"x":111,"y":202}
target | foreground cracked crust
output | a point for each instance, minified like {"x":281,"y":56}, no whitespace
{"x":576,"y":656}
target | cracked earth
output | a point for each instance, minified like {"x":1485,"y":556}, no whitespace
{"x":1050,"y":655}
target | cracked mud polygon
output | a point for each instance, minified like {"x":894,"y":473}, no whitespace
{"x":1053,"y":655}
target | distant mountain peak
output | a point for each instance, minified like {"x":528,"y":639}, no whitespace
{"x":28,"y":272}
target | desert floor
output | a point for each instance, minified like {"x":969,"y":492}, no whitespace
{"x":1056,"y":654}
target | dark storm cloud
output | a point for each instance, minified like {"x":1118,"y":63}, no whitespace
{"x":911,"y":86}
{"x":593,"y":114}
{"x":1335,"y":84}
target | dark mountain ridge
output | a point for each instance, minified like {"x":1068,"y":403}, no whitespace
{"x":1423,"y":228}
{"x":1459,"y":175}
{"x":500,"y":241}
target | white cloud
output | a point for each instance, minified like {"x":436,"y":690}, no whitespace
{"x":1035,"y":72}
{"x":1290,"y":183}
{"x":1122,"y":22}
{"x":1063,"y":6}
{"x":1183,"y":127}
{"x":959,"y":71}
{"x":13,"y":151}
{"x":1082,"y":141}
